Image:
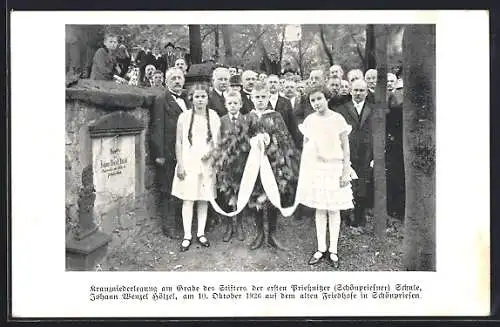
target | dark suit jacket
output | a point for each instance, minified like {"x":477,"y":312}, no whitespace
{"x":226,"y":123}
{"x":338,"y":100}
{"x":284,"y":107}
{"x":103,"y":65}
{"x":164,"y":117}
{"x":247,"y":103}
{"x":165,"y":62}
{"x":370,"y":97}
{"x":360,"y":144}
{"x":217,"y":103}
{"x":304,"y":109}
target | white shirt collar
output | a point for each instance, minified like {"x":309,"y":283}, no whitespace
{"x":359,"y":106}
{"x":236,"y":115}
{"x":218,"y":92}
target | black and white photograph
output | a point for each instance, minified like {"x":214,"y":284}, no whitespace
{"x":312,"y":165}
{"x":162,"y":123}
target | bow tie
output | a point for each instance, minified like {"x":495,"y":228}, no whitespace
{"x":175,"y":95}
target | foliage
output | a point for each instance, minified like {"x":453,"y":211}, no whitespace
{"x":229,"y":159}
{"x":252,"y":45}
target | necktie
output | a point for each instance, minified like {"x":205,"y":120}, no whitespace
{"x":233,"y":119}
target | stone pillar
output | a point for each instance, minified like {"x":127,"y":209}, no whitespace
{"x":86,"y":246}
{"x":112,"y":186}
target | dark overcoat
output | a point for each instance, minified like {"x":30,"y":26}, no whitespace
{"x":164,"y":117}
{"x":360,"y":145}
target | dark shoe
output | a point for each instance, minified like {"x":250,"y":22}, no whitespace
{"x":171,"y":233}
{"x":203,"y":240}
{"x":331,"y":262}
{"x":183,"y":247}
{"x":228,"y":233}
{"x":313,"y":260}
{"x":257,"y":242}
{"x":240,"y":233}
{"x":273,"y":241}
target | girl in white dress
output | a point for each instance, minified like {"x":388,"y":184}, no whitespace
{"x":194,"y":180}
{"x":325,"y":173}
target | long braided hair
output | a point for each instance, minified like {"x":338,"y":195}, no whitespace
{"x":199,"y":87}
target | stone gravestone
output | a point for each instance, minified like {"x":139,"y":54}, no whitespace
{"x":108,"y":196}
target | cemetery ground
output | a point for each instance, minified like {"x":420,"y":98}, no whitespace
{"x":150,"y":250}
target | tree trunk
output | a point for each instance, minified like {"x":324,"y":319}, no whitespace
{"x":195,"y":44}
{"x":379,"y":116}
{"x":419,"y":142}
{"x":325,"y":46}
{"x":228,"y":49}
{"x":301,"y":60}
{"x":370,"y":59}
{"x":216,"y":42}
{"x":282,"y":43}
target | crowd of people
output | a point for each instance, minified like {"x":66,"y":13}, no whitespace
{"x":315,"y":133}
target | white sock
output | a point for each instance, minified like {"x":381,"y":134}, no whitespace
{"x":321,"y":229}
{"x":202,"y":217}
{"x":334,"y":229}
{"x":187,"y":218}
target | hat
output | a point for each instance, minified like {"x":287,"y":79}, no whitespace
{"x":169,"y":44}
{"x":235,"y":80}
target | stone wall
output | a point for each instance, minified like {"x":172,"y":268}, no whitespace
{"x":86,"y":102}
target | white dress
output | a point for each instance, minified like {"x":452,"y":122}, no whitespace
{"x":322,"y":163}
{"x":199,"y":182}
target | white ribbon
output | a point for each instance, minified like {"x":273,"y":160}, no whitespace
{"x":258,"y":164}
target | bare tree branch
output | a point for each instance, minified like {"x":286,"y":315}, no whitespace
{"x":325,"y":46}
{"x":210,"y":31}
{"x":358,"y":49}
{"x":253,"y":43}
{"x":282,"y":42}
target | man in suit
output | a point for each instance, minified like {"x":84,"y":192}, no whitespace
{"x":284,"y":107}
{"x":166,"y":110}
{"x":248,"y":78}
{"x":167,"y":60}
{"x":371,"y":81}
{"x":227,"y":122}
{"x":358,"y":114}
{"x":220,"y":82}
{"x":290,"y":92}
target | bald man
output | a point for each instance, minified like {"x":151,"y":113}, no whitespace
{"x":353,"y":75}
{"x":358,"y":114}
{"x":220,"y":82}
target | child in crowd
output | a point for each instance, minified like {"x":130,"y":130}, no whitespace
{"x":104,"y":61}
{"x":157,"y":79}
{"x":197,"y":134}
{"x":283,"y":157}
{"x":148,"y":78}
{"x":325,"y":172}
{"x":234,"y":142}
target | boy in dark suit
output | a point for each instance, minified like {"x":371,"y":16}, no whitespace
{"x":103,"y":64}
{"x":228,"y":122}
